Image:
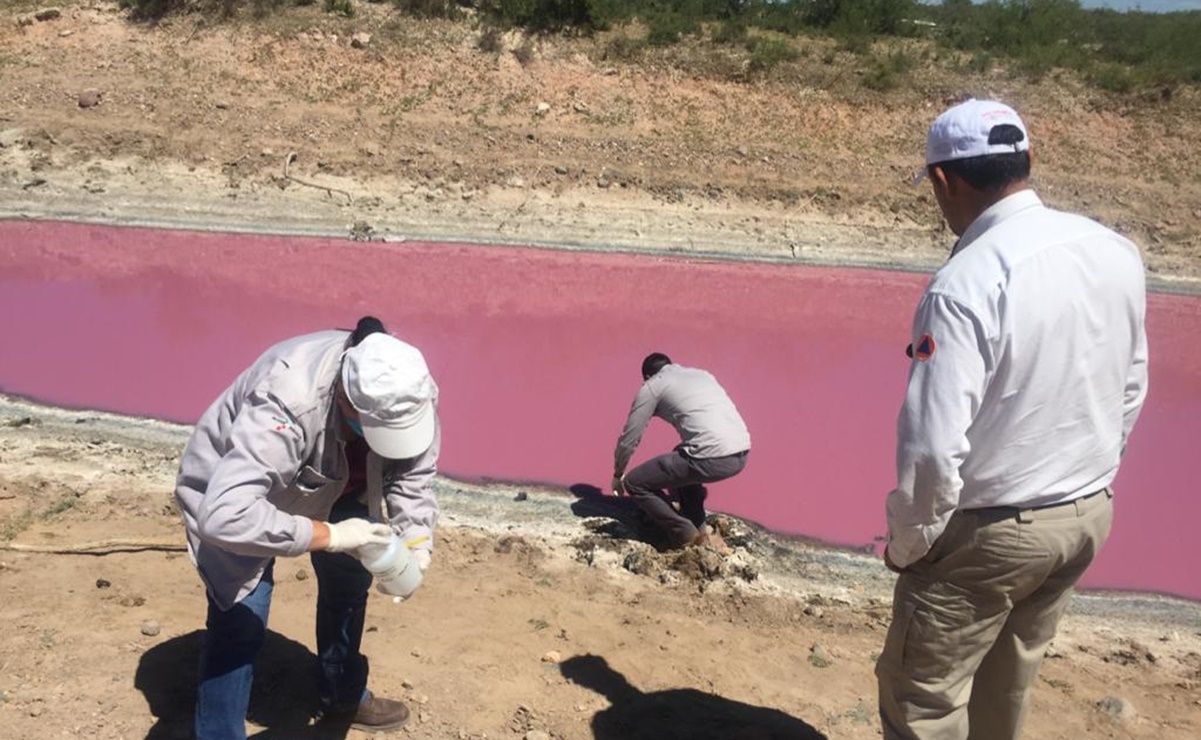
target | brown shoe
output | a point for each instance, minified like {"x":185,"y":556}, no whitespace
{"x":379,"y":715}
{"x":706,"y":537}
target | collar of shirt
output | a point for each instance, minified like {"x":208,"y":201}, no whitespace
{"x":661,"y":377}
{"x":995,"y":214}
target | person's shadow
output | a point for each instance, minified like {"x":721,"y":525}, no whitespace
{"x":627,"y":520}
{"x":283,"y":698}
{"x":676,"y":714}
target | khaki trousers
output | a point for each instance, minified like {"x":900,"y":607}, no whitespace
{"x":972,"y":619}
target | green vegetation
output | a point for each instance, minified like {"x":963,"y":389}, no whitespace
{"x":340,"y":7}
{"x":1114,"y":51}
{"x":17,"y":524}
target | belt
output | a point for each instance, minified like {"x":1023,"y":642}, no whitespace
{"x":1077,"y":507}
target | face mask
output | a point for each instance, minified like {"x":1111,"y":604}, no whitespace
{"x":355,"y":426}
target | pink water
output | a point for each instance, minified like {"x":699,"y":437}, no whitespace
{"x":537,"y":354}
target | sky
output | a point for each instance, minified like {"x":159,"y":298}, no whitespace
{"x":1156,"y":6}
{"x":1151,"y":6}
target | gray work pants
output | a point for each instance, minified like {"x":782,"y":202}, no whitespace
{"x":682,"y":476}
{"x":972,"y":619}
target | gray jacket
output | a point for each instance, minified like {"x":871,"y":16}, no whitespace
{"x":693,"y":402}
{"x":268,"y":457}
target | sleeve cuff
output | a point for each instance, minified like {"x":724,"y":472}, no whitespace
{"x":304,"y":537}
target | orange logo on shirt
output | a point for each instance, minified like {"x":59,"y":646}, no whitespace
{"x":925,"y":348}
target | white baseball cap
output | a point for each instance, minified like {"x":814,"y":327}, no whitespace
{"x":969,"y":130}
{"x":389,"y":384}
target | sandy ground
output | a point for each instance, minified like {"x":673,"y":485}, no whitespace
{"x":545,"y":614}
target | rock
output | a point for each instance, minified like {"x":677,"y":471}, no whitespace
{"x":537,"y":735}
{"x":819,"y":657}
{"x":698,"y":563}
{"x":552,"y":657}
{"x":814,"y":611}
{"x":103,"y":583}
{"x":25,"y":20}
{"x":90,"y":98}
{"x":560,"y":169}
{"x":742,"y":151}
{"x":360,"y":40}
{"x":604,"y":182}
{"x":221,"y":105}
{"x":48,"y":14}
{"x":65,"y":33}
{"x":302,"y":575}
{"x":36,"y":710}
{"x":641,"y":563}
{"x":521,"y":496}
{"x":1121,"y":710}
{"x":407,"y":684}
{"x":151,"y":628}
{"x":579,"y":107}
{"x":542,"y":109}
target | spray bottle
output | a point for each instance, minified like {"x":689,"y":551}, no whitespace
{"x":395,"y":570}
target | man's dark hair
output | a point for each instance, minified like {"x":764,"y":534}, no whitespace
{"x":367,"y":326}
{"x":992,"y":172}
{"x":653,"y":363}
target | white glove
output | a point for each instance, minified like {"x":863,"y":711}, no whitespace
{"x":422,"y":558}
{"x":352,"y":534}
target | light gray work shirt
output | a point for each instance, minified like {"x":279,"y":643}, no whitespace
{"x":693,"y":402}
{"x":1029,"y":371}
{"x":268,"y":457}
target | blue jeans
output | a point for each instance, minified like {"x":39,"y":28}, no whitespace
{"x":233,"y":639}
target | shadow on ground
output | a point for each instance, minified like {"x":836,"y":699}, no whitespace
{"x":676,"y":714}
{"x":627,"y":520}
{"x":283,"y":699}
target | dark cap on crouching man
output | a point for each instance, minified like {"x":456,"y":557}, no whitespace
{"x":1029,"y":368}
{"x":327,"y":443}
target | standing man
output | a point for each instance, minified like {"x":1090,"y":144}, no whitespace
{"x":294,"y":457}
{"x":714,"y":446}
{"x":1029,"y":369}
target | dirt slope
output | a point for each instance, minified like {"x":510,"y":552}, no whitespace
{"x":563,"y":141}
